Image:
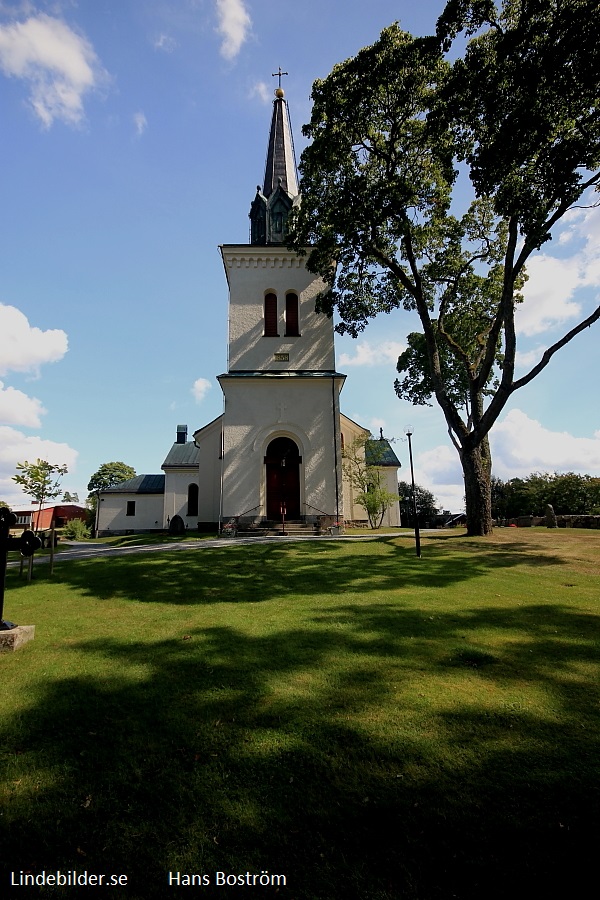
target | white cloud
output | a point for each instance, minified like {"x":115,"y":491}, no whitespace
{"x":140,"y":123}
{"x":166,"y":43}
{"x":439,"y":471}
{"x":261,"y":90}
{"x":521,"y":445}
{"x":374,"y":424}
{"x":200,"y":388}
{"x":527,"y":359}
{"x":17,"y":447}
{"x":16,"y":408}
{"x":439,"y":466}
{"x":550,"y":293}
{"x":24,"y":348}
{"x":368,"y":354}
{"x":59,"y":65}
{"x":234,"y":26}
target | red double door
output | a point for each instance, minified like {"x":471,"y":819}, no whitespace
{"x":283,"y":479}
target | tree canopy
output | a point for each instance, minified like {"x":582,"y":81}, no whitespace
{"x":568,"y":492}
{"x":109,"y":474}
{"x":391,"y":129}
{"x":106,"y":476}
{"x":427,"y":505}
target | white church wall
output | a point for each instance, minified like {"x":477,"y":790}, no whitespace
{"x":147,"y":513}
{"x":176,"y":494}
{"x":258,"y":410}
{"x":390,"y":483}
{"x":208,"y":439}
{"x":252,"y":272}
{"x":351,"y":431}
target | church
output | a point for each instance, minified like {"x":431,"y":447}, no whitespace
{"x":275,"y":455}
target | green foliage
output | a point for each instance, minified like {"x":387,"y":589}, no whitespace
{"x":76,"y":530}
{"x":106,"y":476}
{"x":360,"y":465}
{"x":70,"y":498}
{"x":569,"y":493}
{"x":40,"y":480}
{"x":389,"y":129}
{"x":427,"y":505}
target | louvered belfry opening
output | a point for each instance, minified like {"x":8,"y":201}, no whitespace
{"x":271,"y":316}
{"x":292,"y":323}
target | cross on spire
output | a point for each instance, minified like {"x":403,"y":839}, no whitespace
{"x":278,"y":75}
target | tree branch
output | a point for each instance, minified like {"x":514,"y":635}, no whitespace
{"x":549,"y":353}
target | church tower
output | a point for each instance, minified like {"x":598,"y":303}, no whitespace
{"x":281,"y":441}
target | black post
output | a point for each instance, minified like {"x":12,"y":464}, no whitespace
{"x":414,"y":497}
{"x":7,"y":519}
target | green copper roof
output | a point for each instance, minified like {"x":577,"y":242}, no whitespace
{"x":182,"y":455}
{"x":141,"y":484}
{"x":380,"y":453}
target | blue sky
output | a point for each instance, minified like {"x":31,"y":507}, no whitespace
{"x":134,"y":135}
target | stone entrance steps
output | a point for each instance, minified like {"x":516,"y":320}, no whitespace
{"x":274,"y":529}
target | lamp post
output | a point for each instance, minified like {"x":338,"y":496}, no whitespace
{"x":409,"y":433}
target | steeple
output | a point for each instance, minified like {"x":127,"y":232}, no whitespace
{"x":281,"y":161}
{"x":271,"y":205}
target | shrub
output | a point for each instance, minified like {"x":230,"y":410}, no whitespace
{"x":76,"y":530}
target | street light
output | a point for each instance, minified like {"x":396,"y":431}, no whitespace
{"x":409,"y":433}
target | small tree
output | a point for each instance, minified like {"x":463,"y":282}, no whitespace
{"x":70,"y":498}
{"x":360,"y":466}
{"x":41,"y":481}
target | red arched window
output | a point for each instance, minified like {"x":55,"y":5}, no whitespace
{"x":291,"y":315}
{"x":271,"y":316}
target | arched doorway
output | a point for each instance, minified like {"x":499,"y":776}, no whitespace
{"x":283,"y":479}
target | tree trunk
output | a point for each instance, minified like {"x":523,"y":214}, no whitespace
{"x":476,"y":464}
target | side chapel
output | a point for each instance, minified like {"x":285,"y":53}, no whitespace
{"x":276,"y":451}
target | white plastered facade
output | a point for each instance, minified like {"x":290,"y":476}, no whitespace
{"x":113,"y":515}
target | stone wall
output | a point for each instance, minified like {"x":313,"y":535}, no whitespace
{"x":561,"y":521}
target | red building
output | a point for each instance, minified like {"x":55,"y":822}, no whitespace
{"x":31,"y":517}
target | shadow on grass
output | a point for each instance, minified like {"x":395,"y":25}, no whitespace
{"x":286,"y":752}
{"x":260,"y":572}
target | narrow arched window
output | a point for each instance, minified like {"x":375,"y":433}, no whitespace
{"x":192,"y":503}
{"x":271,"y":316}
{"x":291,"y":315}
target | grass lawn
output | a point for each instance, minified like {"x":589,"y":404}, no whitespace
{"x":368,"y":724}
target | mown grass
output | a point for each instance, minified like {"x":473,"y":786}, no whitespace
{"x":368,"y":724}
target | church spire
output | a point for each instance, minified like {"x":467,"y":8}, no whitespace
{"x":271,"y":206}
{"x":281,"y":160}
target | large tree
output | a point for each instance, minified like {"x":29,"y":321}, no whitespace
{"x":106,"y":476}
{"x":516,"y":114}
{"x":425,"y":501}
